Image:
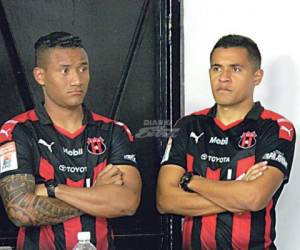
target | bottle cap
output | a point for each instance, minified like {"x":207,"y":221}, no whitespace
{"x":84,"y":236}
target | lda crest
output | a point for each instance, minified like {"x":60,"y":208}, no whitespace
{"x":96,"y":145}
{"x":248,"y":140}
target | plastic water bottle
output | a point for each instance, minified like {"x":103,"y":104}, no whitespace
{"x":84,"y":242}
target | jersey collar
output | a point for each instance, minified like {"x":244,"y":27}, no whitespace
{"x":45,"y":119}
{"x":254,"y":113}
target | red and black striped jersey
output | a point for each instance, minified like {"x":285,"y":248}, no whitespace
{"x":201,"y":143}
{"x":30,"y":143}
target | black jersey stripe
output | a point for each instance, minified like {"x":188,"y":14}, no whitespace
{"x":196,"y":232}
{"x":32,"y":241}
{"x":224,"y":228}
{"x":59,"y":236}
{"x":89,"y":225}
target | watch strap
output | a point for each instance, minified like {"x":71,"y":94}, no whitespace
{"x":50,"y":185}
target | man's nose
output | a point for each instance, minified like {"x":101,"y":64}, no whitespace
{"x":75,"y":78}
{"x":225,"y":75}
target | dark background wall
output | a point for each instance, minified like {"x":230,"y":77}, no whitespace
{"x":134,"y":78}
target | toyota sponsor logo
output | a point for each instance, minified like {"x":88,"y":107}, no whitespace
{"x":216,"y":140}
{"x":214,"y":159}
{"x":72,"y":169}
{"x":276,"y":155}
{"x":73,"y":152}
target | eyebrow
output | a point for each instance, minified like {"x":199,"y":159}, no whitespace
{"x":231,"y":65}
{"x":214,"y":65}
{"x":68,"y":65}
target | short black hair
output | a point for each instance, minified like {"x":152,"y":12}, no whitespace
{"x":58,"y":39}
{"x":231,"y":40}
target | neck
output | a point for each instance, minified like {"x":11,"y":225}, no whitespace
{"x":230,"y":114}
{"x":68,"y":119}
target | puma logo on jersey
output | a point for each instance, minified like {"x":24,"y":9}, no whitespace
{"x":49,"y":146}
{"x":289,"y":131}
{"x":5,"y":132}
{"x":196,"y":137}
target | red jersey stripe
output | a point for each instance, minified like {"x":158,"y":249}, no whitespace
{"x":46,"y":238}
{"x":21,"y":238}
{"x":101,"y":234}
{"x":241,"y":227}
{"x":72,"y":226}
{"x":188,"y":221}
{"x":190,"y":162}
{"x":268,"y":225}
{"x":46,"y":170}
{"x":209,"y":222}
{"x":187,"y":232}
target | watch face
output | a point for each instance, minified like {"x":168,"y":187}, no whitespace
{"x":184,"y":181}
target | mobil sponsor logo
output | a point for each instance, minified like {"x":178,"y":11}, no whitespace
{"x":215,"y":159}
{"x":219,"y":141}
{"x":73,"y":152}
{"x":72,"y":169}
{"x":276,"y":155}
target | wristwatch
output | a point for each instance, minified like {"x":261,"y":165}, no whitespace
{"x":185,"y":180}
{"x":51,"y":185}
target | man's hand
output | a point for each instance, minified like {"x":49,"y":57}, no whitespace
{"x":110,"y":175}
{"x":254,"y":172}
{"x":41,"y":190}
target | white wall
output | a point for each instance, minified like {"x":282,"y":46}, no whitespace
{"x":273,"y":25}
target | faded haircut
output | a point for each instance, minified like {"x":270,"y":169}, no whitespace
{"x":58,"y":39}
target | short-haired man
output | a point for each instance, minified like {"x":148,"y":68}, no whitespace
{"x":63,"y":168}
{"x":227,"y":166}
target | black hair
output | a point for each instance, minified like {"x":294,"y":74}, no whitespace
{"x":230,"y":41}
{"x":58,"y":39}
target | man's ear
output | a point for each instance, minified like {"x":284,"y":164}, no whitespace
{"x":258,"y":75}
{"x":39,"y":75}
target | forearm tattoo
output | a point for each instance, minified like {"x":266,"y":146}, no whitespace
{"x":24,"y":208}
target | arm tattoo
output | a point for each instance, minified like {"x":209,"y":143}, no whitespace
{"x":25,"y":208}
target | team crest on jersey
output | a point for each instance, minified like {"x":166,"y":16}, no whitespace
{"x":96,"y":145}
{"x":248,"y":140}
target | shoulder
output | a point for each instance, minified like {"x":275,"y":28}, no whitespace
{"x":9,"y":127}
{"x":202,"y":112}
{"x":115,"y":124}
{"x":285,"y":127}
{"x":191,"y":118}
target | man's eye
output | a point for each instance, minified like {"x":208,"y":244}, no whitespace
{"x":64,"y":71}
{"x":216,"y":69}
{"x":237,"y":69}
{"x":83,"y":69}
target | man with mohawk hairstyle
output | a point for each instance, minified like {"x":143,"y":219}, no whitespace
{"x":63,"y":168}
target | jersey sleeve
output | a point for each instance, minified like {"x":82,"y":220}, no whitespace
{"x":176,"y":149}
{"x":15,"y":153}
{"x":277,"y":148}
{"x":122,"y":151}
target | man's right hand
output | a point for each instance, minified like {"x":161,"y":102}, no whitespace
{"x":254,"y":172}
{"x":110,"y":175}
